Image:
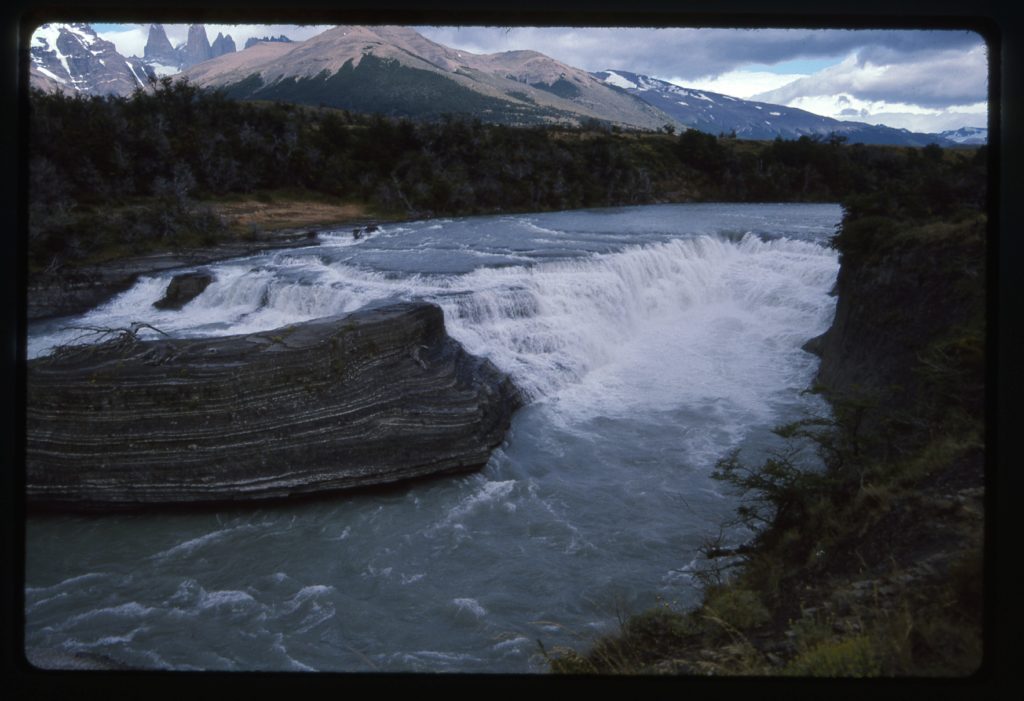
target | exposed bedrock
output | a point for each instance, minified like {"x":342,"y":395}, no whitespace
{"x":182,"y":289}
{"x":77,"y":290}
{"x":369,"y":398}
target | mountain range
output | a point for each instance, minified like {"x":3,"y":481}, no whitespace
{"x":398,"y":72}
{"x":166,"y":59}
{"x":715,"y":113}
{"x":72,"y":57}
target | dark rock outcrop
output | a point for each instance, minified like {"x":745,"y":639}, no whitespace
{"x":252,"y":41}
{"x":891,"y":309}
{"x":77,"y":290}
{"x":222,"y":45}
{"x":907,"y":340}
{"x":183,"y":289}
{"x":371,"y":398}
{"x":158,"y":47}
{"x":197,"y":48}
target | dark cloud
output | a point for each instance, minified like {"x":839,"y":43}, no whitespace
{"x":693,"y":53}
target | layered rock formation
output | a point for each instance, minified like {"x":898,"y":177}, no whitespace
{"x":370,"y":398}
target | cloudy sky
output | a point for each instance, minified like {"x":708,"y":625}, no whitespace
{"x":922,"y":80}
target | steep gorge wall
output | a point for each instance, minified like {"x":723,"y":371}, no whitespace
{"x":909,"y":323}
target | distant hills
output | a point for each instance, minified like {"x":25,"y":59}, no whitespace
{"x":398,"y":72}
{"x":715,"y":113}
{"x":967,"y":135}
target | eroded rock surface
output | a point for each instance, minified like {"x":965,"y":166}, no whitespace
{"x":183,"y":289}
{"x":370,"y":398}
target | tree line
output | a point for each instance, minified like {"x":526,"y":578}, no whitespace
{"x":133,"y":172}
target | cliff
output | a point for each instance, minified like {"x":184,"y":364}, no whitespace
{"x":872,"y":566}
{"x":371,"y":398}
{"x":909,"y":316}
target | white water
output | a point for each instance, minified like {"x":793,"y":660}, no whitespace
{"x":649,"y":341}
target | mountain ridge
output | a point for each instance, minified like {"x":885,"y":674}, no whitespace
{"x":524,"y":90}
{"x":749,"y":119}
{"x":412,"y":76}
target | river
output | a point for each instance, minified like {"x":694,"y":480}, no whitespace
{"x":649,"y":341}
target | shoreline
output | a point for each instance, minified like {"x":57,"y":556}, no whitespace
{"x":73,"y":291}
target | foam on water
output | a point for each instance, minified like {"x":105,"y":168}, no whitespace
{"x":648,"y":341}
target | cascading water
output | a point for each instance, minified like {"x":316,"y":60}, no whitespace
{"x":649,"y":342}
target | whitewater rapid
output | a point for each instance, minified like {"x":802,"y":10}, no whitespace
{"x":649,"y":341}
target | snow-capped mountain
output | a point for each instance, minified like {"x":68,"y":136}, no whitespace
{"x":72,"y":58}
{"x":397,"y":71}
{"x":969,"y":136}
{"x":165,"y":59}
{"x":715,"y":113}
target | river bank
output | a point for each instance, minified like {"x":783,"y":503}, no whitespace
{"x":247,"y":227}
{"x":874,"y":565}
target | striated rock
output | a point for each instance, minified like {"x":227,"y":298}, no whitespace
{"x":183,"y":289}
{"x":371,"y":398}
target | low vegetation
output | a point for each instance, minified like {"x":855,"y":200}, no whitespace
{"x":868,"y":553}
{"x":112,"y":176}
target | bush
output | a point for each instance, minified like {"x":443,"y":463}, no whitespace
{"x":849,"y":657}
{"x":738,"y":609}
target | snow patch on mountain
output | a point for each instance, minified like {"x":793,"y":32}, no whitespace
{"x":717,"y":114}
{"x":74,"y":57}
{"x":968,"y":136}
{"x":618,"y":81}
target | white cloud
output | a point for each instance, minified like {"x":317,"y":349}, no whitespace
{"x":849,"y":108}
{"x":740,"y":83}
{"x":937,"y":80}
{"x":929,"y":122}
{"x":943,"y":90}
{"x":128,"y":42}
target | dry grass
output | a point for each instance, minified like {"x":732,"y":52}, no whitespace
{"x":286,"y":214}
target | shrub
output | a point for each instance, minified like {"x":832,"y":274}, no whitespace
{"x":739,"y":609}
{"x":848,"y":657}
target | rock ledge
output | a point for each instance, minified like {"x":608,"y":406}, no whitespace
{"x":370,"y":398}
